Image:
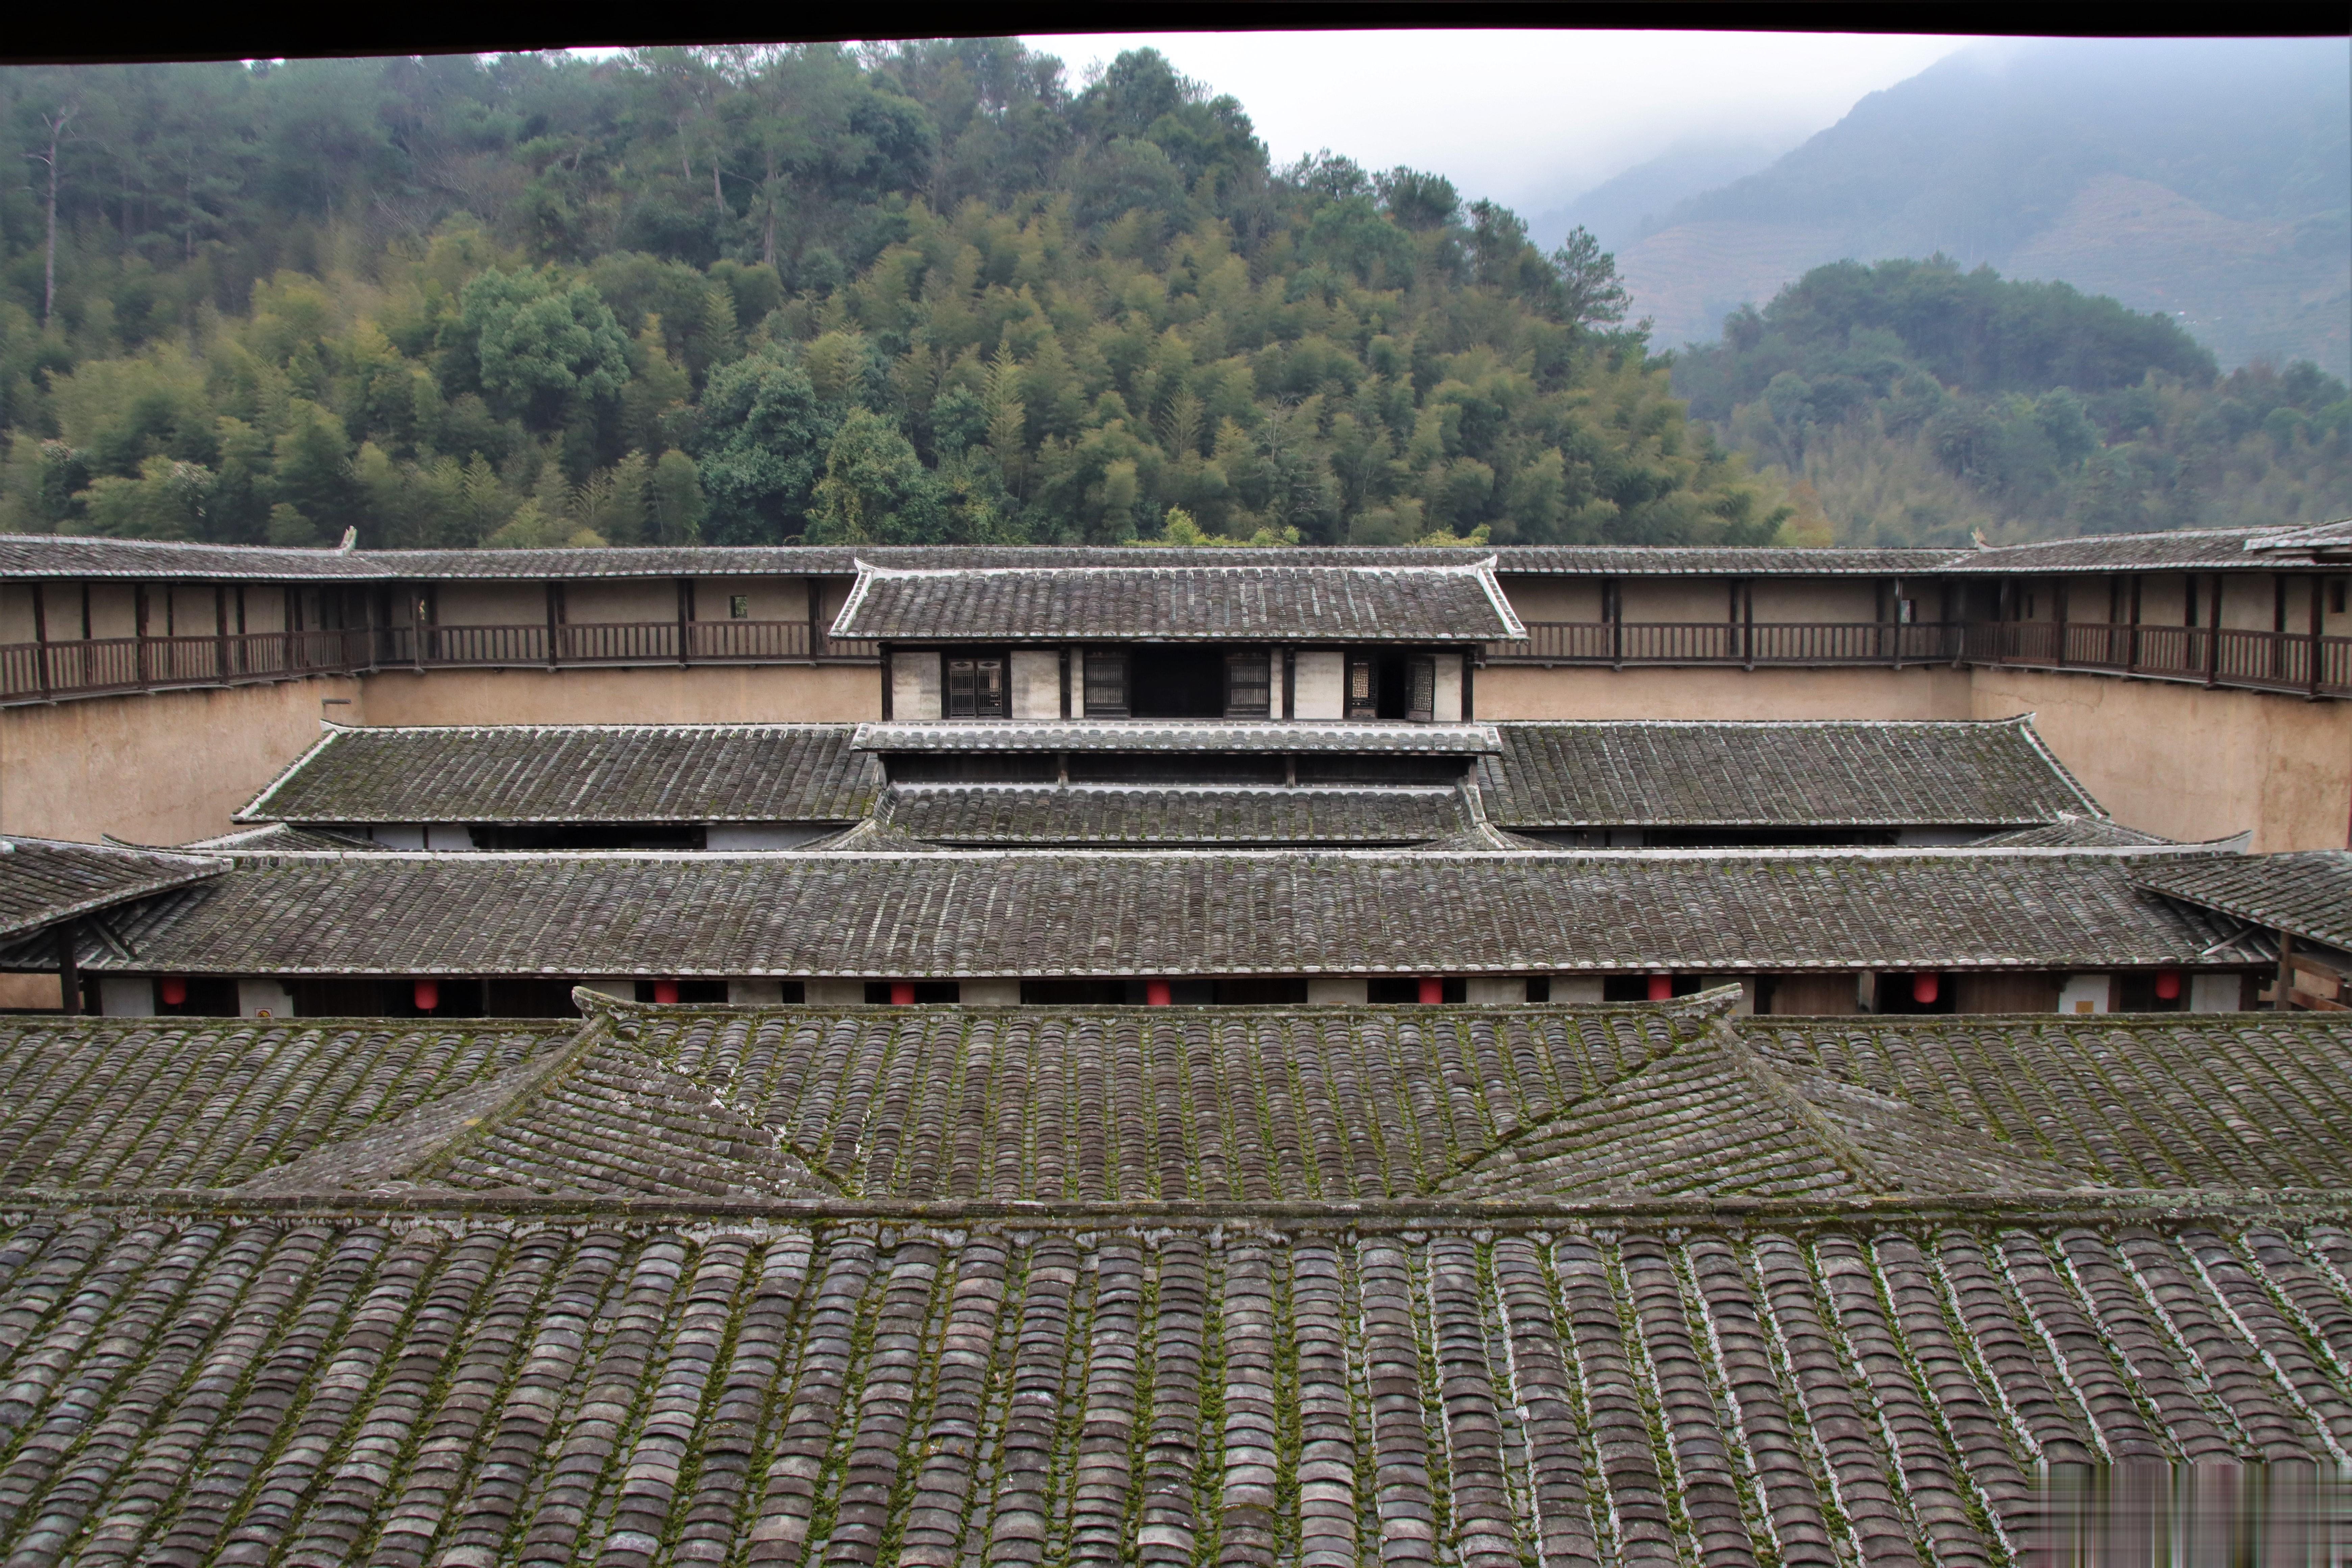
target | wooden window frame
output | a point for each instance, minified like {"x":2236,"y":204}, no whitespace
{"x":1107,"y":659}
{"x":1258,"y":662}
{"x":991,"y":706}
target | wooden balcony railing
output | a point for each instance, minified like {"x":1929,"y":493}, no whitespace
{"x":38,"y":672}
{"x":2258,"y":660}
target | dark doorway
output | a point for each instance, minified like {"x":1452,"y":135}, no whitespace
{"x":1386,"y":685}
{"x":1178,"y":683}
{"x":528,"y":999}
{"x":586,"y":835}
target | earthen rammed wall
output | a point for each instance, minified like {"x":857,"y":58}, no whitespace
{"x":2177,"y":760}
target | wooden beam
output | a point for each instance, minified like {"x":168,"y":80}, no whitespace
{"x":69,"y":968}
{"x":41,"y":632}
{"x":685,"y":615}
{"x":2312,"y":586}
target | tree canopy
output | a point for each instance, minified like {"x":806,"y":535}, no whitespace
{"x":926,"y":292}
{"x":1913,"y":402}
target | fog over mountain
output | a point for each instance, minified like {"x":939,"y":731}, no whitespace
{"x":2210,"y":180}
{"x":1620,"y":211}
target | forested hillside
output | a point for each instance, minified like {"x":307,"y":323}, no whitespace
{"x":929,"y":293}
{"x":1915,"y":403}
{"x":2207,"y":179}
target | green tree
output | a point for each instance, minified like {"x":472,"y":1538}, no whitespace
{"x":761,"y":442}
{"x":876,"y":490}
{"x":542,"y":350}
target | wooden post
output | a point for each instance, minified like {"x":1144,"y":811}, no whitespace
{"x":1469,"y":665}
{"x":554,"y":619}
{"x":815,"y":617}
{"x":1745,"y":597}
{"x":220,"y":632}
{"x":416,"y":627}
{"x":2284,"y":1001}
{"x":685,"y":615}
{"x":69,"y":935}
{"x":2058,"y":623}
{"x":2213,"y":635}
{"x":1065,"y":688}
{"x":139,"y":630}
{"x":884,"y":650}
{"x":2310,"y":675}
{"x":1612,"y":610}
{"x":41,"y":633}
{"x":2131,"y":639}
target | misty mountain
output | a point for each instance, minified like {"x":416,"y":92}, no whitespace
{"x":1622,"y":210}
{"x":2211,"y":181}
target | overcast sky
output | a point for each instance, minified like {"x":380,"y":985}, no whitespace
{"x":1531,"y":119}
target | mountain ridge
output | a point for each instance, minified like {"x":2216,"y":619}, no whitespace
{"x":2206,"y":179}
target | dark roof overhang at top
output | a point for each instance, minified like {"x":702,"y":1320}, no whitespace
{"x":69,"y":557}
{"x":574,"y":772}
{"x":951,"y":913}
{"x":2306,"y":894}
{"x":1236,"y":601}
{"x":1180,"y":736}
{"x":45,"y":880}
{"x":1777,"y":774}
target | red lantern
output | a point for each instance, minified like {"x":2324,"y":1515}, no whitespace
{"x":1662,"y":987}
{"x":902,"y":992}
{"x":665,"y":992}
{"x":2168,"y":985}
{"x":1431,"y":993}
{"x":1923,"y":987}
{"x":1155,"y":993}
{"x":174,"y":991}
{"x":428,"y":995}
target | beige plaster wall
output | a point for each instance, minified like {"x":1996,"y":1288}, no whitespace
{"x":489,"y":605}
{"x":1521,"y":692}
{"x":16,"y":612}
{"x":157,"y":768}
{"x":1803,"y":599}
{"x":622,"y":599}
{"x":772,"y":598}
{"x":1553,"y":598}
{"x":705,"y":694}
{"x":2188,"y":763}
{"x":1674,"y":599}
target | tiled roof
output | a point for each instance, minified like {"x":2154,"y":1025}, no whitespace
{"x":209,"y":1102}
{"x":2307,"y":894}
{"x":2205,"y":1099}
{"x":2203,"y":549}
{"x":45,"y":880}
{"x":575,"y":772}
{"x":1477,"y":1286}
{"x":1190,"y":602}
{"x":1151,"y":815}
{"x":1187,"y":735}
{"x":2324,"y":539}
{"x":1076,"y":912}
{"x":61,"y":555}
{"x":1599,"y":774}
